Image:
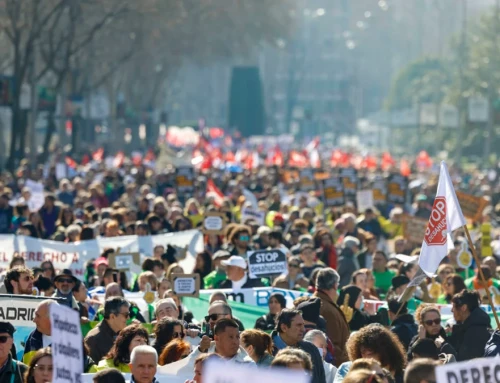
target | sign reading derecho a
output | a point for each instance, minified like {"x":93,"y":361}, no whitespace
{"x":67,"y":350}
{"x":265,"y":263}
{"x":477,"y":370}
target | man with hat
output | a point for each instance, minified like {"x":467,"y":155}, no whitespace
{"x":11,"y":370}
{"x":218,"y":275}
{"x":65,"y":281}
{"x":237,"y":276}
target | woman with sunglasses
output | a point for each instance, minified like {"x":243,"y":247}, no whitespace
{"x":119,"y":355}
{"x":165,"y":330}
{"x":40,"y":367}
{"x":429,"y":319}
{"x":48,"y":270}
{"x":175,"y":350}
{"x":452,"y":285}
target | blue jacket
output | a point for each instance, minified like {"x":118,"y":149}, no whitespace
{"x":33,"y":344}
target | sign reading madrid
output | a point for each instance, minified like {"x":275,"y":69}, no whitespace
{"x":436,"y":232}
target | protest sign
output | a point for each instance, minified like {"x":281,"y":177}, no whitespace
{"x":486,"y":249}
{"x":214,"y":222}
{"x":67,"y":350}
{"x":472,"y":207}
{"x":477,"y":370}
{"x":250,"y":197}
{"x":256,"y":215}
{"x":364,"y":200}
{"x":306,"y":180}
{"x":230,"y":372}
{"x":333,"y":192}
{"x":266,"y":263}
{"x":379,"y":187}
{"x":350,"y":180}
{"x":37,"y":198}
{"x":186,"y":285}
{"x":397,"y":185}
{"x":184,"y":179}
{"x":414,"y":228}
{"x":61,"y":171}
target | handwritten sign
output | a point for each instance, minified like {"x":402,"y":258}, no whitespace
{"x":67,"y":351}
{"x":397,"y":185}
{"x":37,"y":198}
{"x":414,"y":228}
{"x":472,"y":207}
{"x":306,"y":180}
{"x":214,"y":223}
{"x":186,"y":285}
{"x":333,"y":192}
{"x":256,"y":215}
{"x":184,"y":179}
{"x":364,"y":199}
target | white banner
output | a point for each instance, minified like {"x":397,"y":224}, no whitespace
{"x":477,"y":370}
{"x":67,"y":341}
{"x":74,"y":255}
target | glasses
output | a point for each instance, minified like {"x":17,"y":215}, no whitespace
{"x":43,"y":368}
{"x":27,"y":278}
{"x":430,"y":322}
{"x":126,"y":315}
{"x":178,"y":335}
{"x":294,"y":265}
{"x":4,"y":338}
{"x":64,"y":280}
{"x":213,"y":317}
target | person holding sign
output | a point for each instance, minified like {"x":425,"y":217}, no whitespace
{"x":237,"y":276}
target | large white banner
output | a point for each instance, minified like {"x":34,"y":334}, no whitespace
{"x":477,"y":370}
{"x":74,"y":255}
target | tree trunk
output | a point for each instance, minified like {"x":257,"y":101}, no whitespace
{"x":14,"y":137}
{"x":51,"y":128}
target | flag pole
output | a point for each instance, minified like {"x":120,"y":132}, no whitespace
{"x":485,"y":282}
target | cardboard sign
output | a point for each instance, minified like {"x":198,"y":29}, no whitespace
{"x":397,"y":185}
{"x":472,"y":207}
{"x":333,"y":192}
{"x":414,"y":228}
{"x":364,"y":200}
{"x":350,"y":180}
{"x":37,"y":198}
{"x":67,"y":351}
{"x":125,"y":261}
{"x":258,"y":216}
{"x":306,"y":180}
{"x":214,"y":223}
{"x":379,"y":188}
{"x":486,"y":250}
{"x":477,"y":370}
{"x":186,"y":285}
{"x":266,"y":263}
{"x":61,"y":171}
{"x":184,"y":179}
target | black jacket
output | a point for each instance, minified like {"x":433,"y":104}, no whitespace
{"x":15,"y":368}
{"x":446,"y":347}
{"x":361,"y":319}
{"x":470,"y":337}
{"x":347,"y":265}
{"x":266,"y":323}
{"x":405,"y":328}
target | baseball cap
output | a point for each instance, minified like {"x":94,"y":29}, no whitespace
{"x":235,"y":260}
{"x":7,"y":328}
{"x":221,"y":254}
{"x":100,"y":261}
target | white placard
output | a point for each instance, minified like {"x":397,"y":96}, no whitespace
{"x":213,"y":223}
{"x":364,"y":199}
{"x":477,"y":370}
{"x":228,"y":372}
{"x":256,"y":215}
{"x":250,"y":197}
{"x":123,"y":262}
{"x":61,"y":171}
{"x":37,"y":198}
{"x":67,"y":341}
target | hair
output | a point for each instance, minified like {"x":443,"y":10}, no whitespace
{"x":15,"y":259}
{"x":170,"y":270}
{"x":219,"y":294}
{"x":405,"y":267}
{"x":364,"y":363}
{"x":109,"y":375}
{"x":467,"y":297}
{"x":289,"y":356}
{"x":119,"y":352}
{"x":397,"y":307}
{"x":222,"y":324}
{"x":285,"y":317}
{"x":165,"y":300}
{"x":151,"y":278}
{"x":382,"y":342}
{"x":51,"y":265}
{"x":204,"y":357}
{"x":207,"y":264}
{"x":143,"y":350}
{"x":458,"y":284}
{"x":280,"y":298}
{"x":77,"y":285}
{"x":261,"y":341}
{"x":43,"y":352}
{"x":225,"y":306}
{"x":362,"y":376}
{"x":312,"y":334}
{"x":164,"y":331}
{"x":43,"y":284}
{"x":424,"y":309}
{"x":113,"y":306}
{"x":239,"y":229}
{"x":421,"y":369}
{"x":327,"y":279}
{"x":425,"y":348}
{"x":14,"y":275}
{"x":148,"y":264}
{"x":173,"y":351}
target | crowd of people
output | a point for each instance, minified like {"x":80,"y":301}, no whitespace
{"x":342,"y":259}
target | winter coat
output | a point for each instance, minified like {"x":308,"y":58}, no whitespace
{"x":446,"y":347}
{"x":405,"y":328}
{"x":266,"y":323}
{"x":470,"y":337}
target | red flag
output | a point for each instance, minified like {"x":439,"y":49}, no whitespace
{"x":216,"y":133}
{"x":387,"y":161}
{"x":119,"y":159}
{"x":136,"y":158}
{"x":252,"y":161}
{"x":424,"y":161}
{"x":70,"y":162}
{"x":370,"y":162}
{"x":150,"y":156}
{"x":405,"y":168}
{"x":297,"y":159}
{"x":85,"y":159}
{"x":336,"y":158}
{"x":214,"y":192}
{"x":98,"y":155}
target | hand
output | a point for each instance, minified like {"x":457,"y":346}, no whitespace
{"x":421,"y":332}
{"x":84,"y":320}
{"x":135,"y":321}
{"x":205,"y":343}
{"x":439,"y":342}
{"x":192,"y":333}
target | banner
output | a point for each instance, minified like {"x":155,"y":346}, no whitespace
{"x":74,"y":255}
{"x":379,"y":187}
{"x":397,"y":185}
{"x":306,"y":180}
{"x":256,"y":215}
{"x":472,"y":207}
{"x":350,"y":180}
{"x":414,"y":228}
{"x":333,"y":192}
{"x":477,"y":370}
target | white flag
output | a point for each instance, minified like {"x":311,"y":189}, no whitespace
{"x":446,"y":216}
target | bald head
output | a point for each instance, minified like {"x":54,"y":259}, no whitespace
{"x":113,"y":290}
{"x":42,"y":316}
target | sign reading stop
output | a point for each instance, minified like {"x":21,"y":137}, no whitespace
{"x":436,"y":232}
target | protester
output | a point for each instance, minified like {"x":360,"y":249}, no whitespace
{"x":109,"y":375}
{"x":41,"y":336}
{"x":166,"y":308}
{"x":175,"y":350}
{"x":64,"y":282}
{"x":294,"y":280}
{"x":421,"y":371}
{"x":452,"y":284}
{"x":371,"y":365}
{"x":294,"y":359}
{"x":402,"y":323}
{"x":19,"y":281}
{"x":218,"y":275}
{"x":143,"y":364}
{"x":40,"y":368}
{"x":237,"y":276}
{"x":199,"y":365}
{"x":102,"y":338}
{"x":383,"y":275}
{"x":12,"y":371}
{"x":267,"y":322}
{"x":258,"y":345}
{"x":165,"y":330}
{"x":355,"y":301}
{"x":318,"y":338}
{"x":348,"y":262}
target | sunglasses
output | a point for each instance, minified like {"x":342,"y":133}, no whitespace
{"x":64,"y":280}
{"x":4,"y":338}
{"x":178,"y":335}
{"x":213,"y":317}
{"x":244,"y":238}
{"x":430,"y":322}
{"x":294,"y":265}
{"x":126,"y":315}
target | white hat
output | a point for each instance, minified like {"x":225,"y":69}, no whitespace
{"x":237,"y":261}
